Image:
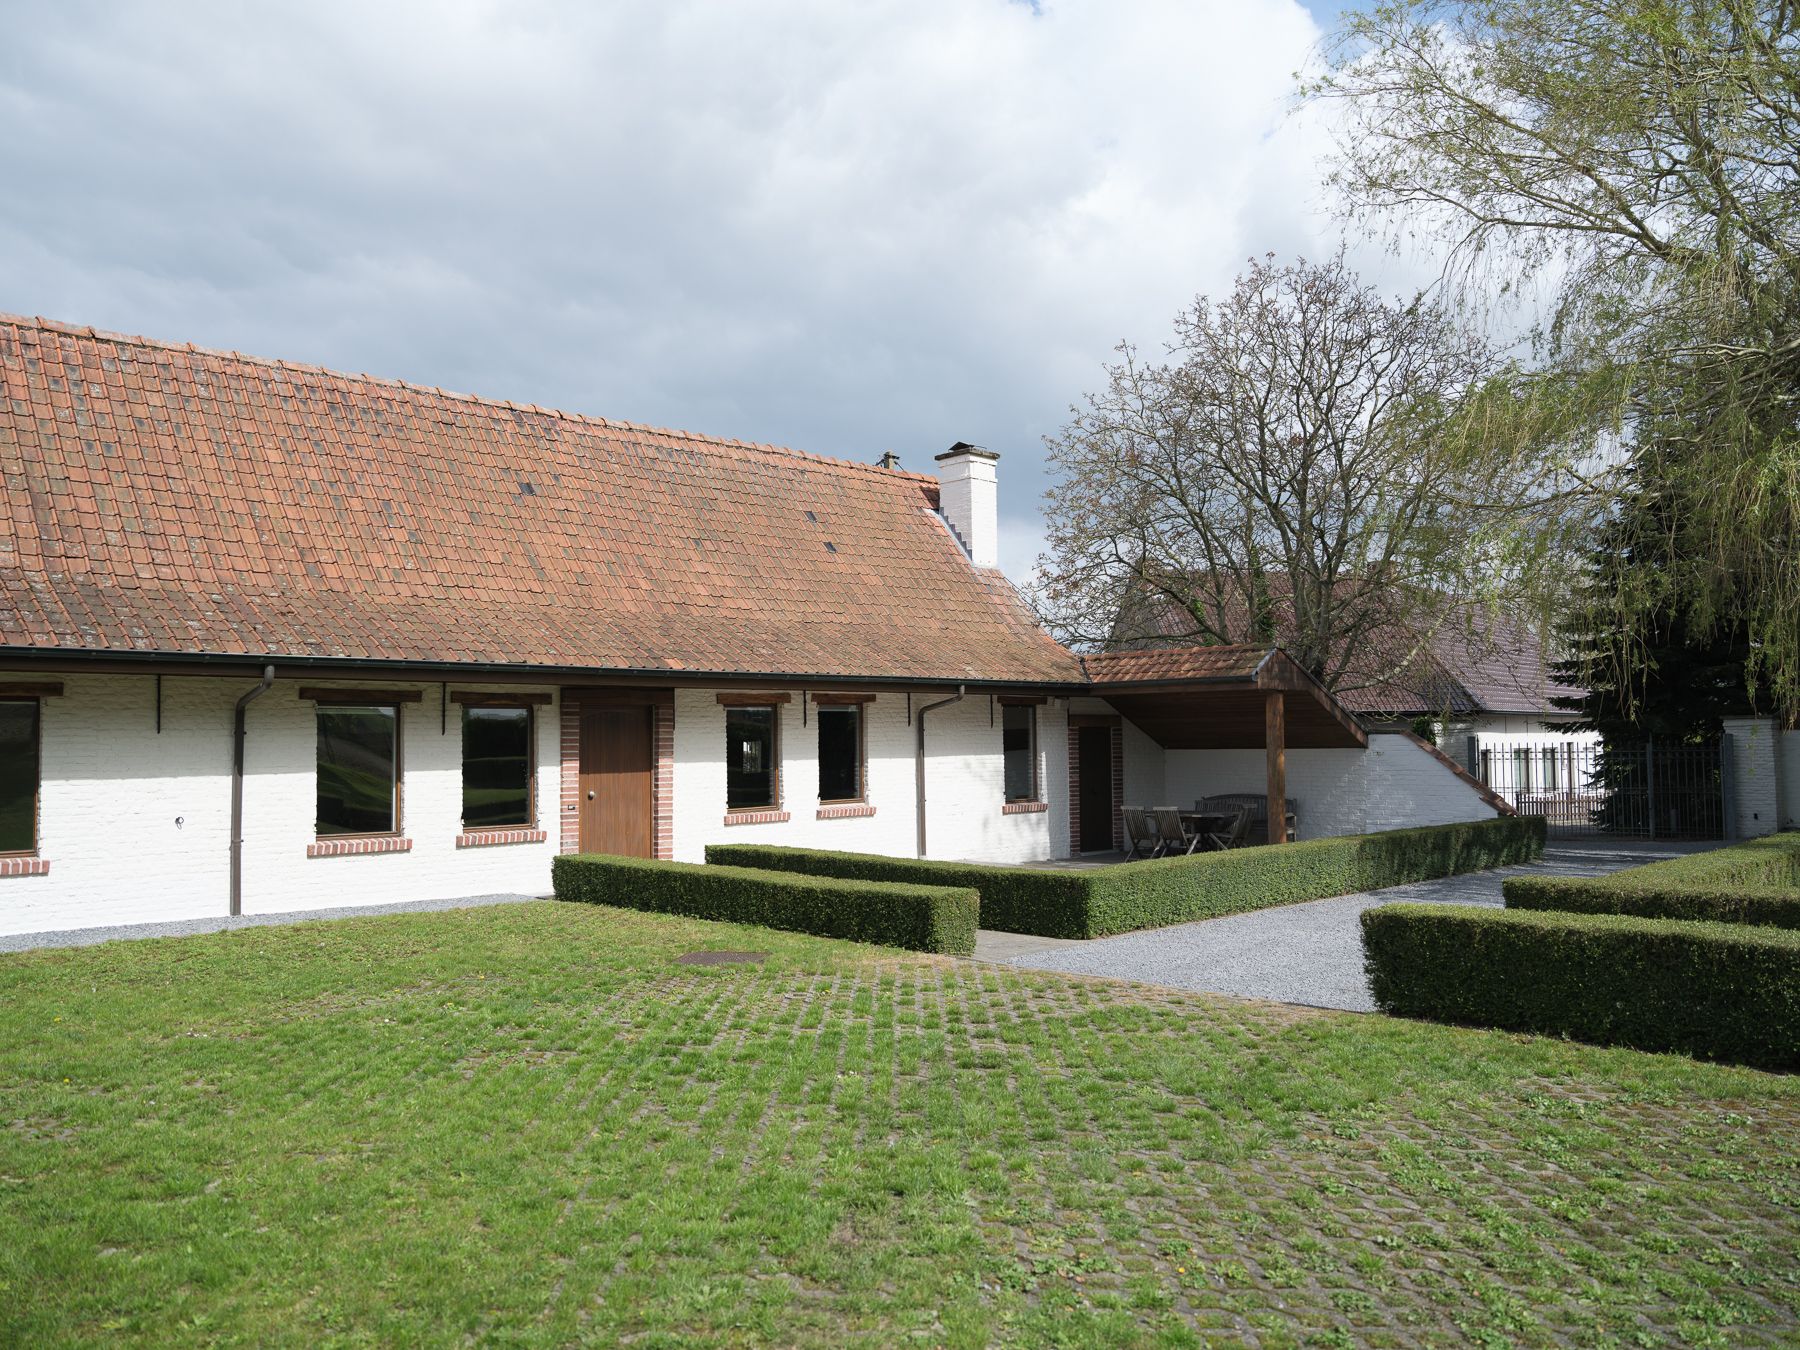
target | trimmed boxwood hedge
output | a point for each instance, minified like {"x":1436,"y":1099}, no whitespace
{"x":1713,"y":990}
{"x":1097,"y":902}
{"x":1757,"y":882}
{"x":924,"y":918}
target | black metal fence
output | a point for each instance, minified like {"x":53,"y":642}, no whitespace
{"x":1632,"y":791}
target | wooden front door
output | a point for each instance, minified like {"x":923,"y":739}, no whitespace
{"x":615,"y":789}
{"x":1094,"y":748}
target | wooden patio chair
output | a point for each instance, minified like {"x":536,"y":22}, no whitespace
{"x":1140,"y":833}
{"x":1141,"y":839}
{"x":1175,"y":835}
{"x":1234,"y":833}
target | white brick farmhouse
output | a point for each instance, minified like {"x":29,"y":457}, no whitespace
{"x":274,"y":638}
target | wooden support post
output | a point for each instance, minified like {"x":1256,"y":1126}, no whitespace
{"x":1275,"y":746}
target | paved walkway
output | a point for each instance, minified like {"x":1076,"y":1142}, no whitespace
{"x":1308,"y":953}
{"x":87,"y":937}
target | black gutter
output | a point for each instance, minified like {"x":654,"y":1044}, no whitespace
{"x":919,"y":757}
{"x":237,"y":786}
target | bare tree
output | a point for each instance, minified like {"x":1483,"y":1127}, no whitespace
{"x":1313,"y":465}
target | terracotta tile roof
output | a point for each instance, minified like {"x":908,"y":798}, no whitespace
{"x":1175,"y":663}
{"x":164,"y":498}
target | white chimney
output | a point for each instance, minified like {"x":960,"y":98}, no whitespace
{"x":969,"y":497}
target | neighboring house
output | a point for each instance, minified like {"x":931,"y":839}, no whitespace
{"x":1488,"y":697}
{"x":1484,"y":687}
{"x":273,"y":637}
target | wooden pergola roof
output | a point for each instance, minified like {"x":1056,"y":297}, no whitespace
{"x":1217,"y":698}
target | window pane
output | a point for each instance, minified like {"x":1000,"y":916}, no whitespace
{"x":1021,"y":755}
{"x":18,"y":776}
{"x":840,"y":753}
{"x":496,"y":766}
{"x":749,"y":757}
{"x":356,"y":770}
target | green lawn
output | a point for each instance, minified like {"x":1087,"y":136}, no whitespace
{"x":527,"y":1125}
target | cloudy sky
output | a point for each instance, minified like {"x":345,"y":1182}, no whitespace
{"x":846,"y":227}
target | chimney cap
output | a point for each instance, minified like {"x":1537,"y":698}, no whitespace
{"x":888,"y":460}
{"x":964,"y":448}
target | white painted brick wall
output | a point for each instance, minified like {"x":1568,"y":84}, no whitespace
{"x":1757,"y":761}
{"x":1392,"y":785}
{"x":700,"y":781}
{"x":112,"y":790}
{"x":964,"y":790}
{"x":1787,"y":762}
{"x":1145,"y":768}
{"x":966,"y":786}
{"x":1406,"y":785}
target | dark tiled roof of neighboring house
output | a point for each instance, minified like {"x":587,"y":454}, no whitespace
{"x":1489,"y":665}
{"x":170,"y":499}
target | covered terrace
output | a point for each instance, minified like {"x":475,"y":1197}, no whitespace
{"x":1216,"y":698}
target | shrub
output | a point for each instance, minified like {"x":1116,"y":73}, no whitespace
{"x":924,"y":918}
{"x":1100,"y":901}
{"x":1014,"y":899}
{"x":1756,"y":883}
{"x":1717,"y":991}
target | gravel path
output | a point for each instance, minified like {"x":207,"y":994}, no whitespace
{"x":87,"y":937}
{"x":1308,"y":953}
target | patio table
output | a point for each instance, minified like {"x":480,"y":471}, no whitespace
{"x":1207,"y":824}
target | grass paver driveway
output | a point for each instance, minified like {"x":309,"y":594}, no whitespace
{"x":529,"y":1125}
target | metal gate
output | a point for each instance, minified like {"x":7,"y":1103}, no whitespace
{"x":1640,"y":790}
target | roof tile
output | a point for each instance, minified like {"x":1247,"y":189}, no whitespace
{"x":270,"y":508}
{"x":1176,"y":663}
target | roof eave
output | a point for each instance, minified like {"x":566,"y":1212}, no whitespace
{"x":39,"y":658}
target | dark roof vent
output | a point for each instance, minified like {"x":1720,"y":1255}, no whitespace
{"x":830,"y":547}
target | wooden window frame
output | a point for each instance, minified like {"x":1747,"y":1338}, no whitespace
{"x":862,"y":750}
{"x":475,"y":700}
{"x":775,"y":783}
{"x":34,"y":695}
{"x":366,"y":698}
{"x":399,"y":830}
{"x":530,"y":704}
{"x":1031,"y":750}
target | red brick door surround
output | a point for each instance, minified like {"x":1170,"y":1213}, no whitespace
{"x":661,"y":705}
{"x":1115,"y":723}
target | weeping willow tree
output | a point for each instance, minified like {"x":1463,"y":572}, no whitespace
{"x":1641,"y":159}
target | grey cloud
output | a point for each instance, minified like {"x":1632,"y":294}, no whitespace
{"x":844,"y":228}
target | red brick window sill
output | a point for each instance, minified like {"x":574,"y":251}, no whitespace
{"x":1024,"y":808}
{"x":757,"y":818}
{"x":490,"y":838}
{"x":24,"y":867}
{"x":845,"y":811}
{"x":346,"y":848}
